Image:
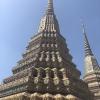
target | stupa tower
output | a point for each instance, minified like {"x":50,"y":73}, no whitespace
{"x":92,"y":69}
{"x":46,"y":70}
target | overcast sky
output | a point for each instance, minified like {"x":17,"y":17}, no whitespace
{"x":19,"y":20}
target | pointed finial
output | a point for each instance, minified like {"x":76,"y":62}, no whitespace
{"x":50,"y":9}
{"x":87,"y":48}
{"x":83,"y":27}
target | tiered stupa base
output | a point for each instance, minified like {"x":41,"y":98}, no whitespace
{"x":44,"y":80}
{"x":37,"y":96}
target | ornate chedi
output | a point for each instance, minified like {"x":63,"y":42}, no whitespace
{"x":46,"y":70}
{"x":92,"y":69}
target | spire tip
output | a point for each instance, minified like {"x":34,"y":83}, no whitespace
{"x":50,"y":9}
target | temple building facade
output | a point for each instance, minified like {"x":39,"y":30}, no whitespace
{"x":46,"y":70}
{"x":92,"y":69}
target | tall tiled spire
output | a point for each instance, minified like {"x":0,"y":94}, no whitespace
{"x":90,"y":60}
{"x":87,"y":47}
{"x":92,"y":69}
{"x":46,"y":70}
